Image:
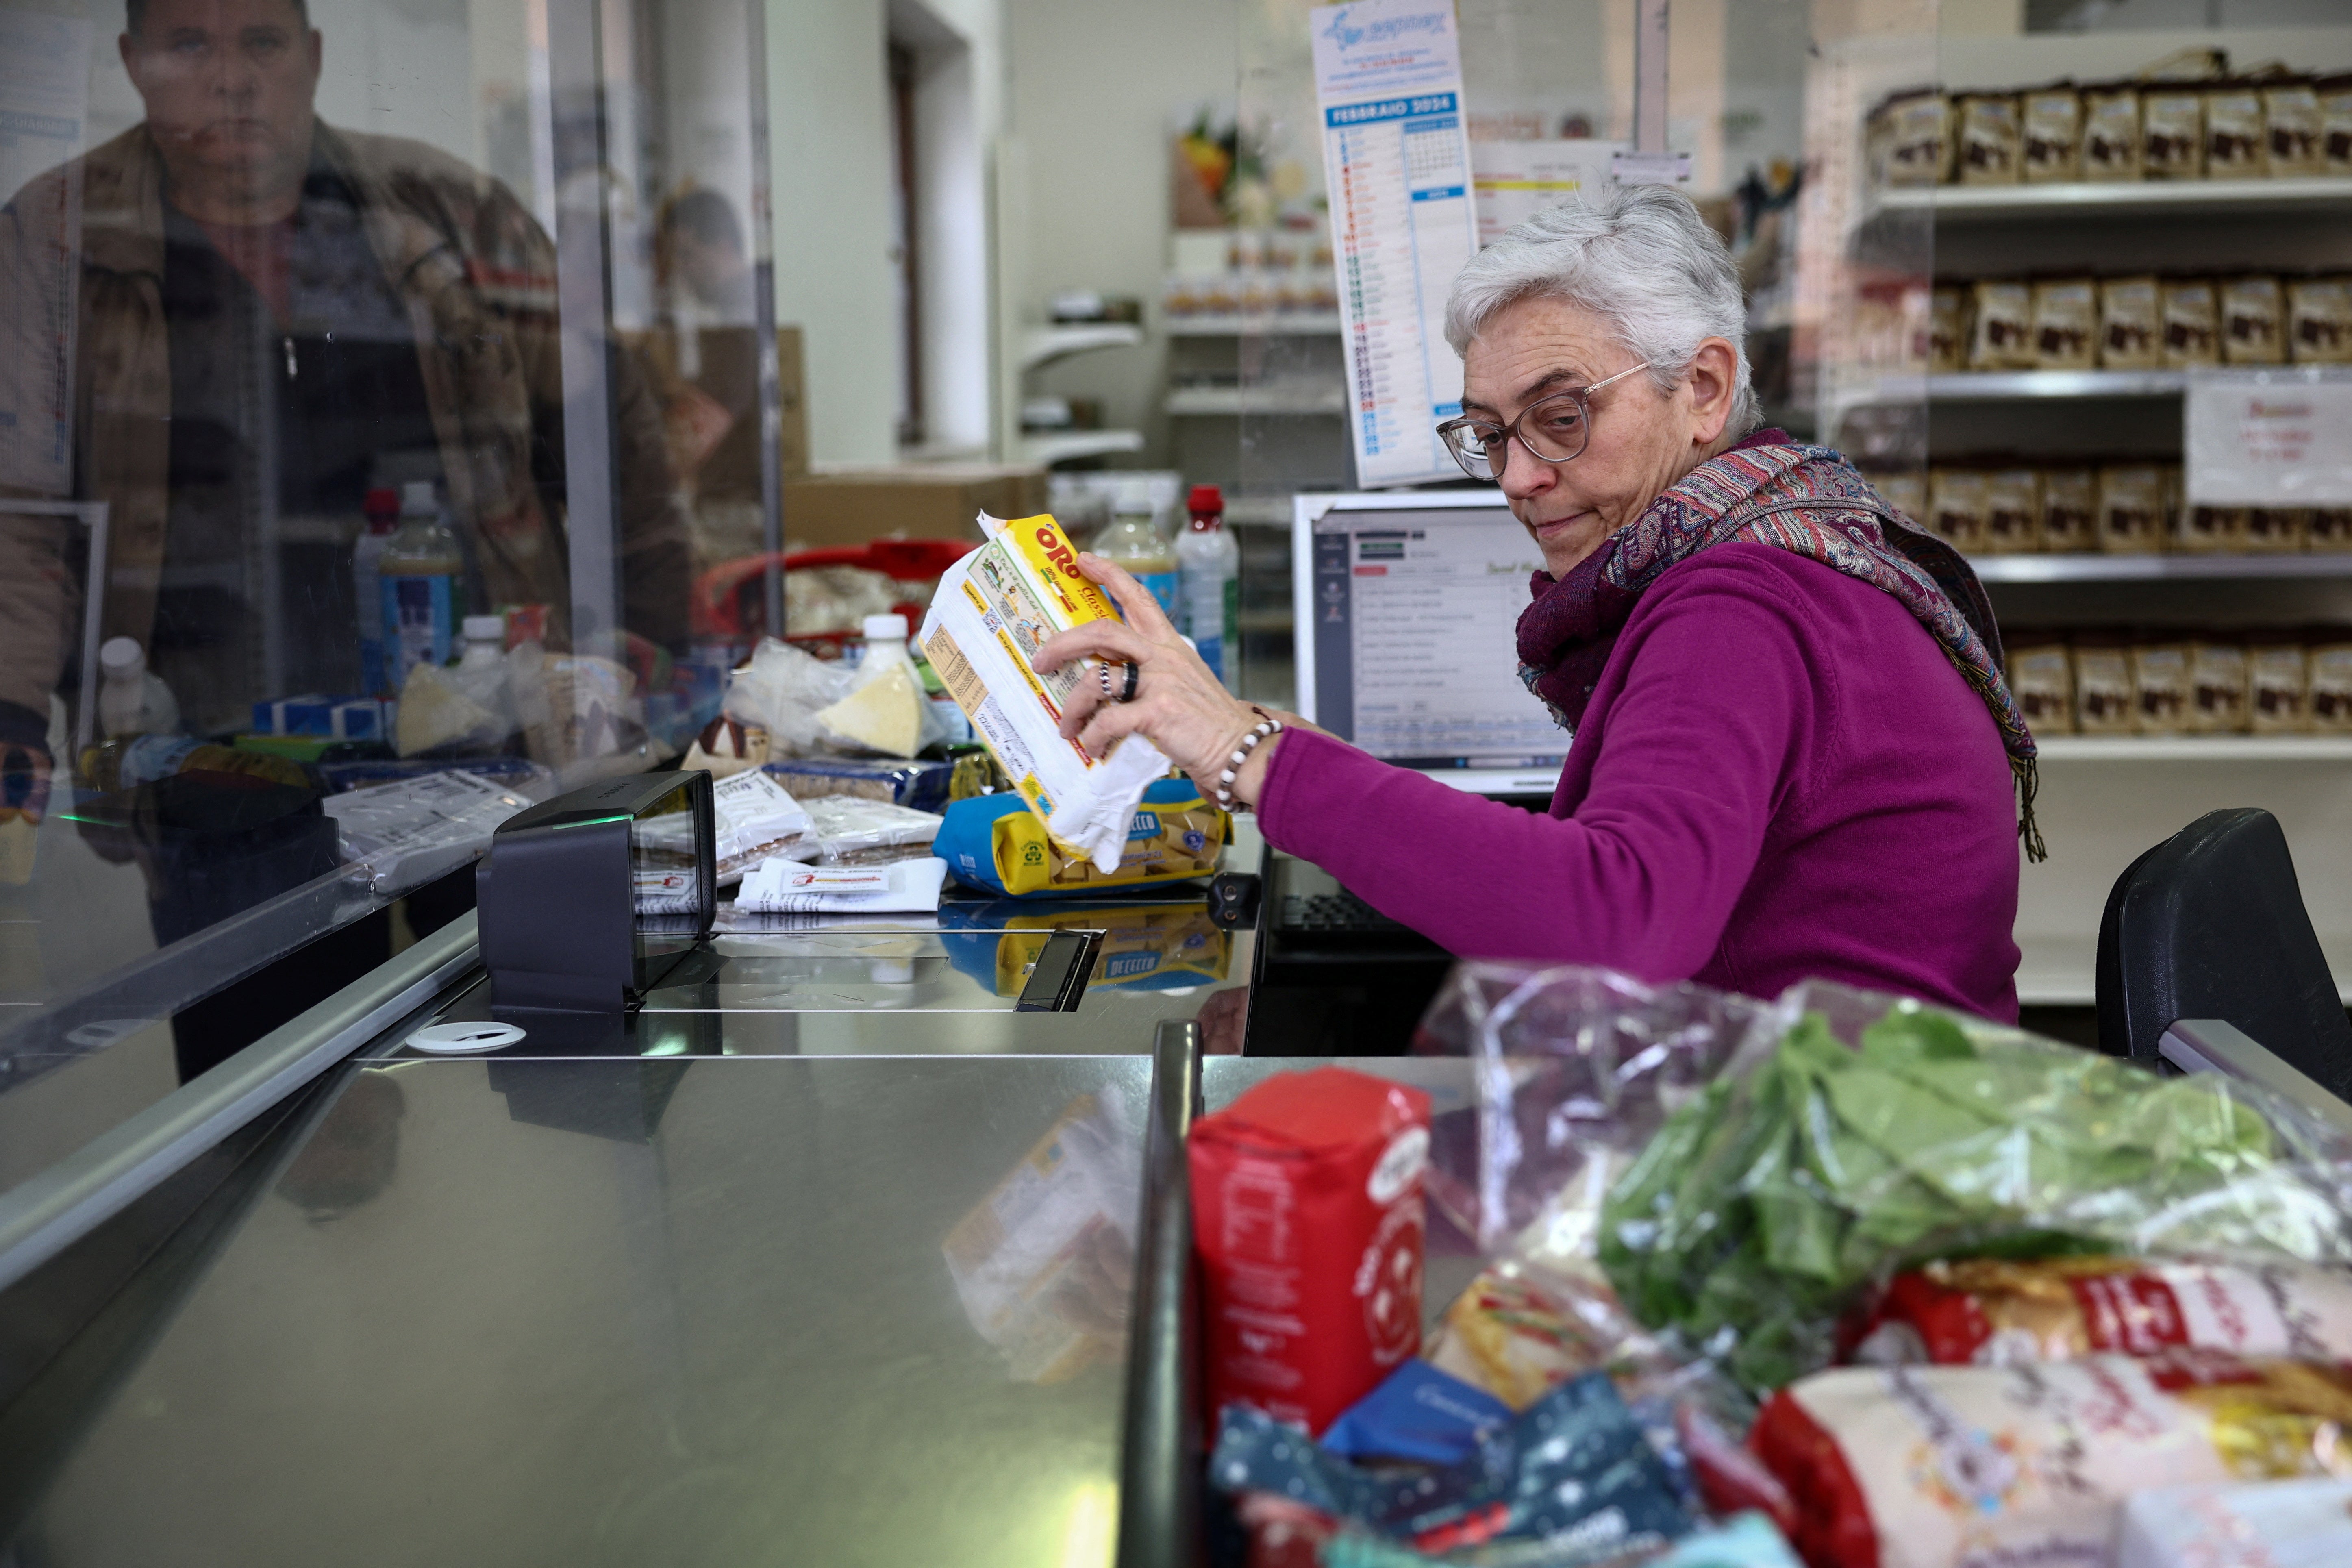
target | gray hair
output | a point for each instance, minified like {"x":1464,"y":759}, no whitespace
{"x":1640,"y":258}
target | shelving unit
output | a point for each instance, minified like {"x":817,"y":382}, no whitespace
{"x":2114,"y":198}
{"x":1042,"y":346}
{"x":2155,"y":568}
{"x":2197,"y":749}
{"x":1212,"y":401}
{"x":1314,"y":323}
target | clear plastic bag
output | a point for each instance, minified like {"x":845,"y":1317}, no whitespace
{"x":853,"y":832}
{"x":781,"y":690}
{"x":404,"y":834}
{"x":1784,"y":1156}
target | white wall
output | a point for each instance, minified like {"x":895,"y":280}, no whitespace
{"x":1097,"y":88}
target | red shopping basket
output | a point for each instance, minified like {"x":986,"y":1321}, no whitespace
{"x":730,"y":601}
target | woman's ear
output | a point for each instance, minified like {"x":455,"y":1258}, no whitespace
{"x":1714,"y":385}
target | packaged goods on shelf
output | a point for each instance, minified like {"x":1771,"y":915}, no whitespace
{"x":2319,"y":321}
{"x":2329,"y":665}
{"x":2012,"y":510}
{"x":2290,"y":118}
{"x":2237,"y":141}
{"x":2131,"y":323}
{"x":1989,"y":138}
{"x":2335,"y":94}
{"x":2278,"y":687}
{"x":2066,"y":324}
{"x":2111,"y":134}
{"x":2274,"y":530}
{"x":2328,"y":528}
{"x":2210,"y":530}
{"x":2131,"y":508}
{"x":2053,"y":134}
{"x":1910,"y":139}
{"x":1948,"y":329}
{"x":1955,"y":507}
{"x":2253,"y":312}
{"x":2192,"y":323}
{"x":2070,"y":509}
{"x":2042,"y":679}
{"x":2161,"y":694}
{"x":2102,"y":688}
{"x":2172,"y":132}
{"x":2001,"y":332}
{"x":2217,"y":686}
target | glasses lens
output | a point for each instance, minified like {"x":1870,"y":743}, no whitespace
{"x":1473,"y":446}
{"x":1555,"y":428}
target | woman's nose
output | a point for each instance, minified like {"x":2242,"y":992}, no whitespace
{"x":1524,"y":474}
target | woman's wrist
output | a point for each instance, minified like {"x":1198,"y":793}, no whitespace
{"x":1249,"y":779}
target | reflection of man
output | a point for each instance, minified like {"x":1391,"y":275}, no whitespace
{"x":273,"y":316}
{"x":700,"y":250}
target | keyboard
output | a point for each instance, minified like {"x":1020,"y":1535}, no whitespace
{"x":1334,"y":914}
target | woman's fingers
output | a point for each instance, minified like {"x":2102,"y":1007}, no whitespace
{"x":1085,"y":698}
{"x":1112,"y":723}
{"x":1136,"y":602}
{"x":1106,"y":640}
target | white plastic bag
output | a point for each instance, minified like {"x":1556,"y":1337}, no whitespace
{"x":781,"y":692}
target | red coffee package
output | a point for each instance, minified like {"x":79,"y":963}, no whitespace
{"x":1307,"y":1214}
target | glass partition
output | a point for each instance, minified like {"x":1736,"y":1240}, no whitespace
{"x":377,"y":381}
{"x":1769,"y":99}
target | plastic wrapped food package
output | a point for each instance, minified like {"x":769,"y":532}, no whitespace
{"x":921,"y":785}
{"x":993,"y":610}
{"x":994,"y":843}
{"x":854,"y":832}
{"x":1997,"y":1311}
{"x":1943,"y":1465}
{"x":2261,"y":1524}
{"x":781,"y":690}
{"x":756,"y":819}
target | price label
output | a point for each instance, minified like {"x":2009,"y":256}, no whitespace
{"x":2269,"y":437}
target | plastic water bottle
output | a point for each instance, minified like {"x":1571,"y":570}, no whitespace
{"x":381,"y":508}
{"x":1210,"y":564}
{"x":418,"y":570}
{"x":1133,"y":540}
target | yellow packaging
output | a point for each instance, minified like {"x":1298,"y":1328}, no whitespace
{"x":1145,"y":947}
{"x":993,"y":610}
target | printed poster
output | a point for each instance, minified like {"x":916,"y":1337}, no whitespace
{"x":1396,"y":161}
{"x":2269,"y":437}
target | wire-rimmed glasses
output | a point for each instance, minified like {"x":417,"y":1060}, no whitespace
{"x":1553,"y":428}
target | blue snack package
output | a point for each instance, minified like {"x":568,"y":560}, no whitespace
{"x":1574,"y":1469}
{"x":1417,"y":1413}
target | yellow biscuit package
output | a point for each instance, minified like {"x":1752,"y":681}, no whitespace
{"x":993,"y":610}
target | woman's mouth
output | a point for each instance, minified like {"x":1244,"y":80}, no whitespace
{"x":1557,"y":527}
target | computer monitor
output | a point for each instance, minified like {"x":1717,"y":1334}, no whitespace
{"x":1407,"y":605}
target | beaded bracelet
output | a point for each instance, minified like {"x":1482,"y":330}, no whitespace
{"x":1248,"y":743}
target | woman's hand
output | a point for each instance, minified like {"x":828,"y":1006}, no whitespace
{"x":1178,"y":706}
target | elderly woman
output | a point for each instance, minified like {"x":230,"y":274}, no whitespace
{"x":1793,"y":748}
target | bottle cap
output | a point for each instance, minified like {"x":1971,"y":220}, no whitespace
{"x":1206,"y":498}
{"x":121,"y":656}
{"x":416,"y":496}
{"x":381,"y":507}
{"x":884,"y":628}
{"x":485,"y":628}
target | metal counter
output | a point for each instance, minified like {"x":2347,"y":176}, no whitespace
{"x":632,"y":1312}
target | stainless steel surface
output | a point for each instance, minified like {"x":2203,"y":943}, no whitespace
{"x":625,"y":1312}
{"x":43,"y":1213}
{"x":865,"y":990}
{"x":2208,"y":1044}
{"x":1162,"y":1452}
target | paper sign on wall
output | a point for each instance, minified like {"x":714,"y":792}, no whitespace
{"x":1396,"y":161}
{"x":1513,"y":180}
{"x":2269,"y":437}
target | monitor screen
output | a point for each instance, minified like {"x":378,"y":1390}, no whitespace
{"x":1413,"y":614}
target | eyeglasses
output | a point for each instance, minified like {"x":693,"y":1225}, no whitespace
{"x":1553,"y":428}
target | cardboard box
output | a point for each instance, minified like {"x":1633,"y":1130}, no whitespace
{"x":851,"y":506}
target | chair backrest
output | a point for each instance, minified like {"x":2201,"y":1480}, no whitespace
{"x":2211,"y":924}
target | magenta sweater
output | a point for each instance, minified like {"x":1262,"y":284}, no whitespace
{"x":1780,"y":776}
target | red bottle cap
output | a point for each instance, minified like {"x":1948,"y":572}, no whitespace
{"x":1207,"y":501}
{"x":381,"y":507}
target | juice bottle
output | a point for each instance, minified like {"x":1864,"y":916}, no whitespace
{"x":418,"y":570}
{"x":1133,"y":540}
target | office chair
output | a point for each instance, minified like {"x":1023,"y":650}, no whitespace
{"x":2211,"y":924}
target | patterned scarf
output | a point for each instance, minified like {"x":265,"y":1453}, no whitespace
{"x":1808,"y":500}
